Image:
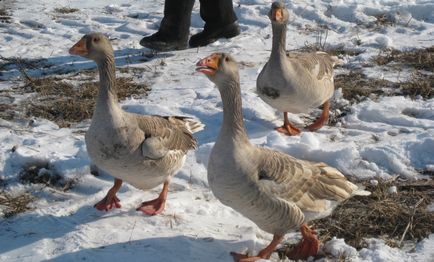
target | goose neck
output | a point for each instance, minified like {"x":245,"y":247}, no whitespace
{"x":107,"y":80}
{"x":233,"y":123}
{"x":278,"y":48}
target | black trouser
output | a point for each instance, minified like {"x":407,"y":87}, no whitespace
{"x":177,"y":16}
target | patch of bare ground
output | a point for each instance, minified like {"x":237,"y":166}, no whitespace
{"x":384,"y":19}
{"x":337,"y":50}
{"x":58,"y":100}
{"x":39,"y":172}
{"x":12,"y":205}
{"x":419,"y":85}
{"x":62,"y":103}
{"x":394,"y":217}
{"x":42,"y":172}
{"x":356,"y":86}
{"x":65,"y":10}
{"x":23,"y":63}
{"x":420,"y":59}
{"x":4,"y":16}
{"x":6,"y":112}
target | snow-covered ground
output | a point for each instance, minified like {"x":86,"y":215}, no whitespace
{"x":384,"y":137}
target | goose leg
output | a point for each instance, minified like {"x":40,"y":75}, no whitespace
{"x":263,"y":254}
{"x":156,"y":206}
{"x":308,"y":246}
{"x":287,"y":128}
{"x":110,"y":200}
{"x":322,"y":119}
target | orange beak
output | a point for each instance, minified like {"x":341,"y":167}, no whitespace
{"x":79,"y":48}
{"x":277,"y":15}
{"x":208,"y":65}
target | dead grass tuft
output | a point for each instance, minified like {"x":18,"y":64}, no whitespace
{"x":393,"y":217}
{"x":4,"y":16}
{"x":6,"y":112}
{"x":40,"y":173}
{"x":420,"y":59}
{"x":419,"y":85}
{"x":356,"y":85}
{"x":65,"y":10}
{"x":384,"y":20}
{"x":13,"y":205}
{"x":60,"y":102}
{"x":338,"y":50}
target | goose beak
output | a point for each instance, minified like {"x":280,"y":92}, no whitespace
{"x":79,"y":48}
{"x":208,"y":65}
{"x":277,"y":15}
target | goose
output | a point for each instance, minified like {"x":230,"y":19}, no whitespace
{"x":276,"y":191}
{"x":295,"y":81}
{"x":143,"y":150}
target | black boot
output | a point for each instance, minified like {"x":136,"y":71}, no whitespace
{"x":208,"y":36}
{"x":162,"y":42}
{"x":220,"y":22}
{"x":174,"y":28}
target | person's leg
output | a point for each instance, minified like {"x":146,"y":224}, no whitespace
{"x":220,"y":21}
{"x":174,"y":28}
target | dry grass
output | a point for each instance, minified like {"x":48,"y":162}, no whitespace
{"x":6,"y":112}
{"x":40,"y":173}
{"x":384,"y":20}
{"x":420,"y":59}
{"x":393,"y":217}
{"x":13,"y":205}
{"x":65,"y":10}
{"x":356,"y":85}
{"x":338,"y":50}
{"x":23,"y":63}
{"x":419,"y":85}
{"x":4,"y":16}
{"x":56,"y":99}
{"x":64,"y":104}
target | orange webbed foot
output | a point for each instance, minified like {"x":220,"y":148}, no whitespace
{"x":309,"y":245}
{"x":108,"y":202}
{"x":289,"y":130}
{"x":152,"y":207}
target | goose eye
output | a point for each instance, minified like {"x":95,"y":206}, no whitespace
{"x":226,"y":59}
{"x":96,"y":39}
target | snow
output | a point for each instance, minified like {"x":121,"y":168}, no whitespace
{"x":379,"y":138}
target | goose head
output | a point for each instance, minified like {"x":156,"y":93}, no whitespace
{"x":278,"y":13}
{"x":95,"y":46}
{"x":220,"y":68}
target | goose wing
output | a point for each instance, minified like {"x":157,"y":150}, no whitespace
{"x":318,"y":64}
{"x":309,"y":185}
{"x":164,"y":134}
